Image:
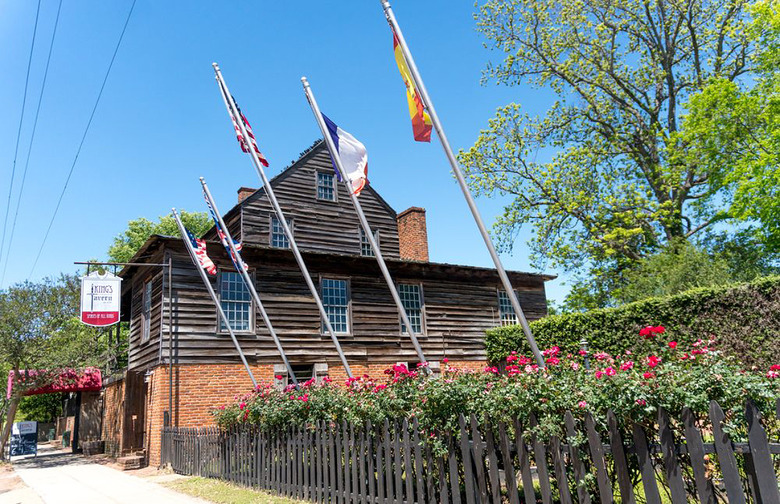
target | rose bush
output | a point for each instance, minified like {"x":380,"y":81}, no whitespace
{"x":659,"y":372}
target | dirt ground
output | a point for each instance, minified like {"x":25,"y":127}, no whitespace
{"x":9,"y":480}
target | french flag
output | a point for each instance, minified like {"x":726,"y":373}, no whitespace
{"x":353,"y":154}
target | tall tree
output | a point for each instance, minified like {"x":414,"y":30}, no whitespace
{"x":622,"y":178}
{"x":734,"y":130}
{"x":139,"y":230}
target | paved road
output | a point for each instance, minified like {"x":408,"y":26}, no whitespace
{"x":63,"y":478}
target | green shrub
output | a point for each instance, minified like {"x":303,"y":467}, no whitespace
{"x":660,"y":373}
{"x":744,"y":321}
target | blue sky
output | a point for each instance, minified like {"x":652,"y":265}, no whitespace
{"x":161,"y":123}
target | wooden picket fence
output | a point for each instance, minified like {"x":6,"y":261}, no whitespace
{"x":392,"y":463}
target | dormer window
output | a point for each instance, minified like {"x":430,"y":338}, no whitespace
{"x":326,"y":188}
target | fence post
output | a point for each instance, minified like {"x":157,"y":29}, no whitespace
{"x":762,"y":460}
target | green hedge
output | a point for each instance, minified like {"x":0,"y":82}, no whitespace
{"x":744,"y":320}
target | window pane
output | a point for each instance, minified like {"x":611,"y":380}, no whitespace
{"x":147,"y":312}
{"x":278,"y":238}
{"x":334,"y":298}
{"x":325,"y":190}
{"x":365,"y":245}
{"x":412,"y":303}
{"x":236,"y":301}
{"x":505,"y":310}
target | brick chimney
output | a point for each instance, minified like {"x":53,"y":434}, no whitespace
{"x":413,"y":234}
{"x":244,"y":193}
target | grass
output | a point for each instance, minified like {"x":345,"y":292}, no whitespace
{"x":224,"y":493}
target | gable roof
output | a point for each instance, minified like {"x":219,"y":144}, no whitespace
{"x":316,"y":148}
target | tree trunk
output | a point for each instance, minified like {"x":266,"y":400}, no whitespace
{"x":9,"y":420}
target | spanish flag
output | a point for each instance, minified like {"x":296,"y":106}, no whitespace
{"x":421,"y":121}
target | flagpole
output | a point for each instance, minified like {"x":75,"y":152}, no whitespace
{"x":206,"y":281}
{"x":462,"y":182}
{"x":233,"y":110}
{"x":248,"y":281}
{"x":363,"y":221}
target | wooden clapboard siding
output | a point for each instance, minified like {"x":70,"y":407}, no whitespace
{"x":460,"y":303}
{"x":323,"y":226}
{"x":143,"y":353}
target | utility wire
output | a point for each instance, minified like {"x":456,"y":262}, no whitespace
{"x":19,"y":132}
{"x":29,"y":147}
{"x":83,"y":137}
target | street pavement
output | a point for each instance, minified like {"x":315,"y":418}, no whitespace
{"x":56,"y":477}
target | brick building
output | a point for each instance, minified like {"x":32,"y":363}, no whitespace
{"x":174,"y":325}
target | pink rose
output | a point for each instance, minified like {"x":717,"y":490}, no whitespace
{"x":627,"y":365}
{"x":672,"y":345}
{"x":610,"y":371}
{"x":582,"y":404}
{"x":641,"y":402}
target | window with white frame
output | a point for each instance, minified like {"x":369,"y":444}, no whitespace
{"x":506,"y":311}
{"x":278,"y":238}
{"x":236,"y":302}
{"x":326,"y":188}
{"x":411,"y":298}
{"x":147,"y":311}
{"x":335,"y":298}
{"x":365,"y":245}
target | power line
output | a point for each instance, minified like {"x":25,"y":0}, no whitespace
{"x":83,"y":137}
{"x":29,"y":147}
{"x":19,"y":132}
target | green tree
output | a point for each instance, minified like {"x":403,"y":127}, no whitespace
{"x":681,"y":266}
{"x":139,"y":230}
{"x":41,"y":407}
{"x":40,"y":330}
{"x":734,"y":130}
{"x":623,"y":179}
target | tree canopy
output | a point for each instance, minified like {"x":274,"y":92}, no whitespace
{"x":139,"y":230}
{"x":626,"y":160}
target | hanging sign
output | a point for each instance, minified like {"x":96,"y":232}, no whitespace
{"x":100,"y":299}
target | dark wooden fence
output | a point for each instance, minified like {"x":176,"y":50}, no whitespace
{"x":393,"y":463}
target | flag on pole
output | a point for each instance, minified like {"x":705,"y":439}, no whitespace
{"x":223,"y":237}
{"x":421,"y":121}
{"x":353,"y":154}
{"x":199,"y":246}
{"x":241,"y":140}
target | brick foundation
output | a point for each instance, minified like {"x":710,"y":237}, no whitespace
{"x":200,"y":389}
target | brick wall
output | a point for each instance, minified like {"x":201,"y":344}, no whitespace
{"x":201,"y":388}
{"x":113,"y":412}
{"x":413,"y":234}
{"x":198,"y":389}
